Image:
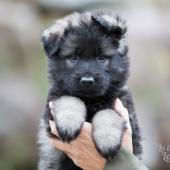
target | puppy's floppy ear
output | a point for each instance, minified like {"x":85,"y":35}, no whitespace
{"x":110,"y":24}
{"x":51,"y":44}
{"x":51,"y":37}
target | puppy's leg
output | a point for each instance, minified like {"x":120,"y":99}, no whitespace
{"x":69,"y":115}
{"x":108,"y":128}
{"x":49,"y":157}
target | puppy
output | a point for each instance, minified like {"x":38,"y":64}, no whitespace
{"x":88,"y":69}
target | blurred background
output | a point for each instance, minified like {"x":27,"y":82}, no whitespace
{"x":23,"y":73}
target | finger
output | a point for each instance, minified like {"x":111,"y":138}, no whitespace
{"x":127,"y":141}
{"x":53,"y":128}
{"x":85,"y":130}
{"x":87,"y":126}
{"x":58,"y":144}
{"x":70,"y":155}
{"x":127,"y":136}
{"x":122,"y":111}
{"x":120,"y":108}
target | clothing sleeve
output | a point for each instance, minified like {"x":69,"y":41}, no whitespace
{"x":125,"y":161}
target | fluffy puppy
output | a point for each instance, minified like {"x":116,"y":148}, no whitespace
{"x":88,"y":70}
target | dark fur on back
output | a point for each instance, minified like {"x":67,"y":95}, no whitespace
{"x":90,"y":36}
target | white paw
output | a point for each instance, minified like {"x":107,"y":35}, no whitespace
{"x":69,"y":115}
{"x":108,"y":128}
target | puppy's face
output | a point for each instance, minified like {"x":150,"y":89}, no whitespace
{"x":87,"y":57}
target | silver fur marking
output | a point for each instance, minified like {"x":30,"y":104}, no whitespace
{"x":108,"y":127}
{"x":69,"y":112}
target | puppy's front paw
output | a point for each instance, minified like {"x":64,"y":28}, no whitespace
{"x":108,"y":128}
{"x":69,"y":115}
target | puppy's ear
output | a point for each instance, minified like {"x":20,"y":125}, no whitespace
{"x":51,"y":44}
{"x":51,"y":37}
{"x":110,"y":24}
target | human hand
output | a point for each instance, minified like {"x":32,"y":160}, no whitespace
{"x":82,"y":150}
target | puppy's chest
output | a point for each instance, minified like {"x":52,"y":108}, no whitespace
{"x":94,"y":107}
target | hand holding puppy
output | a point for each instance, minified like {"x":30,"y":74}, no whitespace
{"x":83,"y":150}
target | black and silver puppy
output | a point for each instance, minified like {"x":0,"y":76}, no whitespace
{"x":88,"y":70}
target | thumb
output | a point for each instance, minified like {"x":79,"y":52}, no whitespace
{"x":127,"y":136}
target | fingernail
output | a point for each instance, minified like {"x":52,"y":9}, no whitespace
{"x":53,"y":127}
{"x":118,"y":104}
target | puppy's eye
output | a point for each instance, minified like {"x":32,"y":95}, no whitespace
{"x":102,"y":58}
{"x":73,"y":58}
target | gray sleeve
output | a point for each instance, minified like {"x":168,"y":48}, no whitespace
{"x":125,"y":161}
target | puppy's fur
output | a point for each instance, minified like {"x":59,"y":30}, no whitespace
{"x":88,"y":70}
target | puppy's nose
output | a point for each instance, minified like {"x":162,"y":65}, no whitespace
{"x":87,"y":80}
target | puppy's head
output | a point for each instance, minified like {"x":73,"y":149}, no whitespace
{"x":87,"y":53}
